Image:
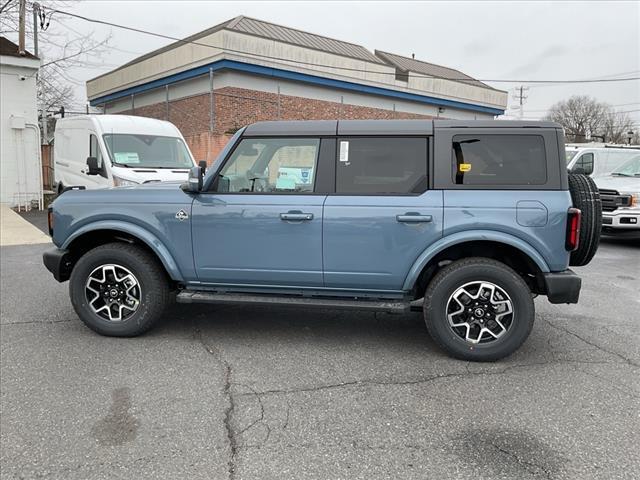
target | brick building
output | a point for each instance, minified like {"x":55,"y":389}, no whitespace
{"x":246,"y":70}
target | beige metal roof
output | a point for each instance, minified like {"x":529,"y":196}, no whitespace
{"x":272,"y":31}
{"x":301,"y":38}
{"x":428,"y":69}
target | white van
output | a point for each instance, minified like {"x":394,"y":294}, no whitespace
{"x":597,"y":159}
{"x":97,"y":151}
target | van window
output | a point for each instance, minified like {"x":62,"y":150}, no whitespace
{"x":271,"y":165}
{"x":147,"y":151}
{"x":584,"y":164}
{"x":385,"y":165}
{"x":499,"y":160}
{"x":95,"y":151}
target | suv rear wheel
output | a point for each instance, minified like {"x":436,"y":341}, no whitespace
{"x":119,"y":290}
{"x":478,"y":309}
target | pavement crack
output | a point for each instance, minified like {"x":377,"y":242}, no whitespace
{"x":260,"y":418}
{"x":228,"y":423}
{"x":527,"y":465}
{"x":594,"y":345}
{"x":286,"y":420}
{"x":47,"y":322}
{"x":227,"y":391}
{"x":418,"y":381}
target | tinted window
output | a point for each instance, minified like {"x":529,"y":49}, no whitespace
{"x":499,"y":160}
{"x":271,"y":165}
{"x":381,"y":165}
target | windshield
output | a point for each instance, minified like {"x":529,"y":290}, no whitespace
{"x":629,"y":169}
{"x":570,"y":154}
{"x":147,"y":151}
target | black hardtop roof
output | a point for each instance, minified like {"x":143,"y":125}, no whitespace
{"x":379,"y":127}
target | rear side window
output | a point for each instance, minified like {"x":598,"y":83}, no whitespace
{"x":499,"y":160}
{"x":387,"y":165}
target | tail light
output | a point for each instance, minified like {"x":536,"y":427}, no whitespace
{"x":573,"y":229}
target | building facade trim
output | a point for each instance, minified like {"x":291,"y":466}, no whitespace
{"x":291,"y":75}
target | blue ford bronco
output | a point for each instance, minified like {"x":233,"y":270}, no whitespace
{"x":466,"y":221}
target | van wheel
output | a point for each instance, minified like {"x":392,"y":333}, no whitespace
{"x":478,"y":309}
{"x":119,"y":290}
{"x":586,"y":197}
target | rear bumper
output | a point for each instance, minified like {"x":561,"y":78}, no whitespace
{"x":58,"y":263}
{"x":562,"y":287}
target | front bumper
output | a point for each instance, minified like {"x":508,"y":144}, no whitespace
{"x":58,"y":262}
{"x":622,"y":222}
{"x":562,"y":287}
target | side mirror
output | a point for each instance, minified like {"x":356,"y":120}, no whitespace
{"x":92,"y":164}
{"x":194,"y":183}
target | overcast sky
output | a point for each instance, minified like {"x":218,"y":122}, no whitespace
{"x":487,"y":40}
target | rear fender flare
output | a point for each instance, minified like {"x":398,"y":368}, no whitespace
{"x":470,"y":236}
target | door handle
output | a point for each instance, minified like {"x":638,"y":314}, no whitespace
{"x":412,"y":217}
{"x":296,"y":216}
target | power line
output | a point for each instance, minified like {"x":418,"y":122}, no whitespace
{"x":617,"y":105}
{"x":462,"y":80}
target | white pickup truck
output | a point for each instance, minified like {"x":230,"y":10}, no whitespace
{"x":616,"y":172}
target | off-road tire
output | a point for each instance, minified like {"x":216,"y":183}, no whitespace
{"x":153,"y":280}
{"x":586,"y":197}
{"x":457,"y":274}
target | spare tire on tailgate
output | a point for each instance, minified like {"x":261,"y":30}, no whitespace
{"x":585,"y":196}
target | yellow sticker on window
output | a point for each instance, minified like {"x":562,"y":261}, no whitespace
{"x":465,"y":167}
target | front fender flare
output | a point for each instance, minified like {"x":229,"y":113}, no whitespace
{"x":143,"y":234}
{"x":470,"y":236}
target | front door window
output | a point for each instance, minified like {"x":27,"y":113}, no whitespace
{"x":272,"y":165}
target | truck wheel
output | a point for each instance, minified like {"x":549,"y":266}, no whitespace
{"x":119,"y":290}
{"x":586,"y":197}
{"x":478,"y":309}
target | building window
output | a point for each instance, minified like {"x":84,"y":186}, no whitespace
{"x":382,"y":165}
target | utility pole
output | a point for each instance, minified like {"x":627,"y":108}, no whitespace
{"x":521,"y":97}
{"x":21,"y":30}
{"x":36,"y":9}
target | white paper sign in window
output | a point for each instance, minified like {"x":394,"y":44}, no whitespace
{"x":344,"y":151}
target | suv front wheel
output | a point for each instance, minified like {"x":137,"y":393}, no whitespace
{"x":478,"y":309}
{"x":119,"y":290}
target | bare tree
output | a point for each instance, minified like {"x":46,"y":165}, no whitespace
{"x":581,"y":116}
{"x":61,"y":49}
{"x":616,"y":125}
{"x":585,"y":119}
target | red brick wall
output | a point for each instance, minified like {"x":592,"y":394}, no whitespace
{"x":237,"y":107}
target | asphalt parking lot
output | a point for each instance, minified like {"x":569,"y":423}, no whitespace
{"x":260,"y":393}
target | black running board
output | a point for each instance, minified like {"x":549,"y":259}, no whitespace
{"x":190,"y":296}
